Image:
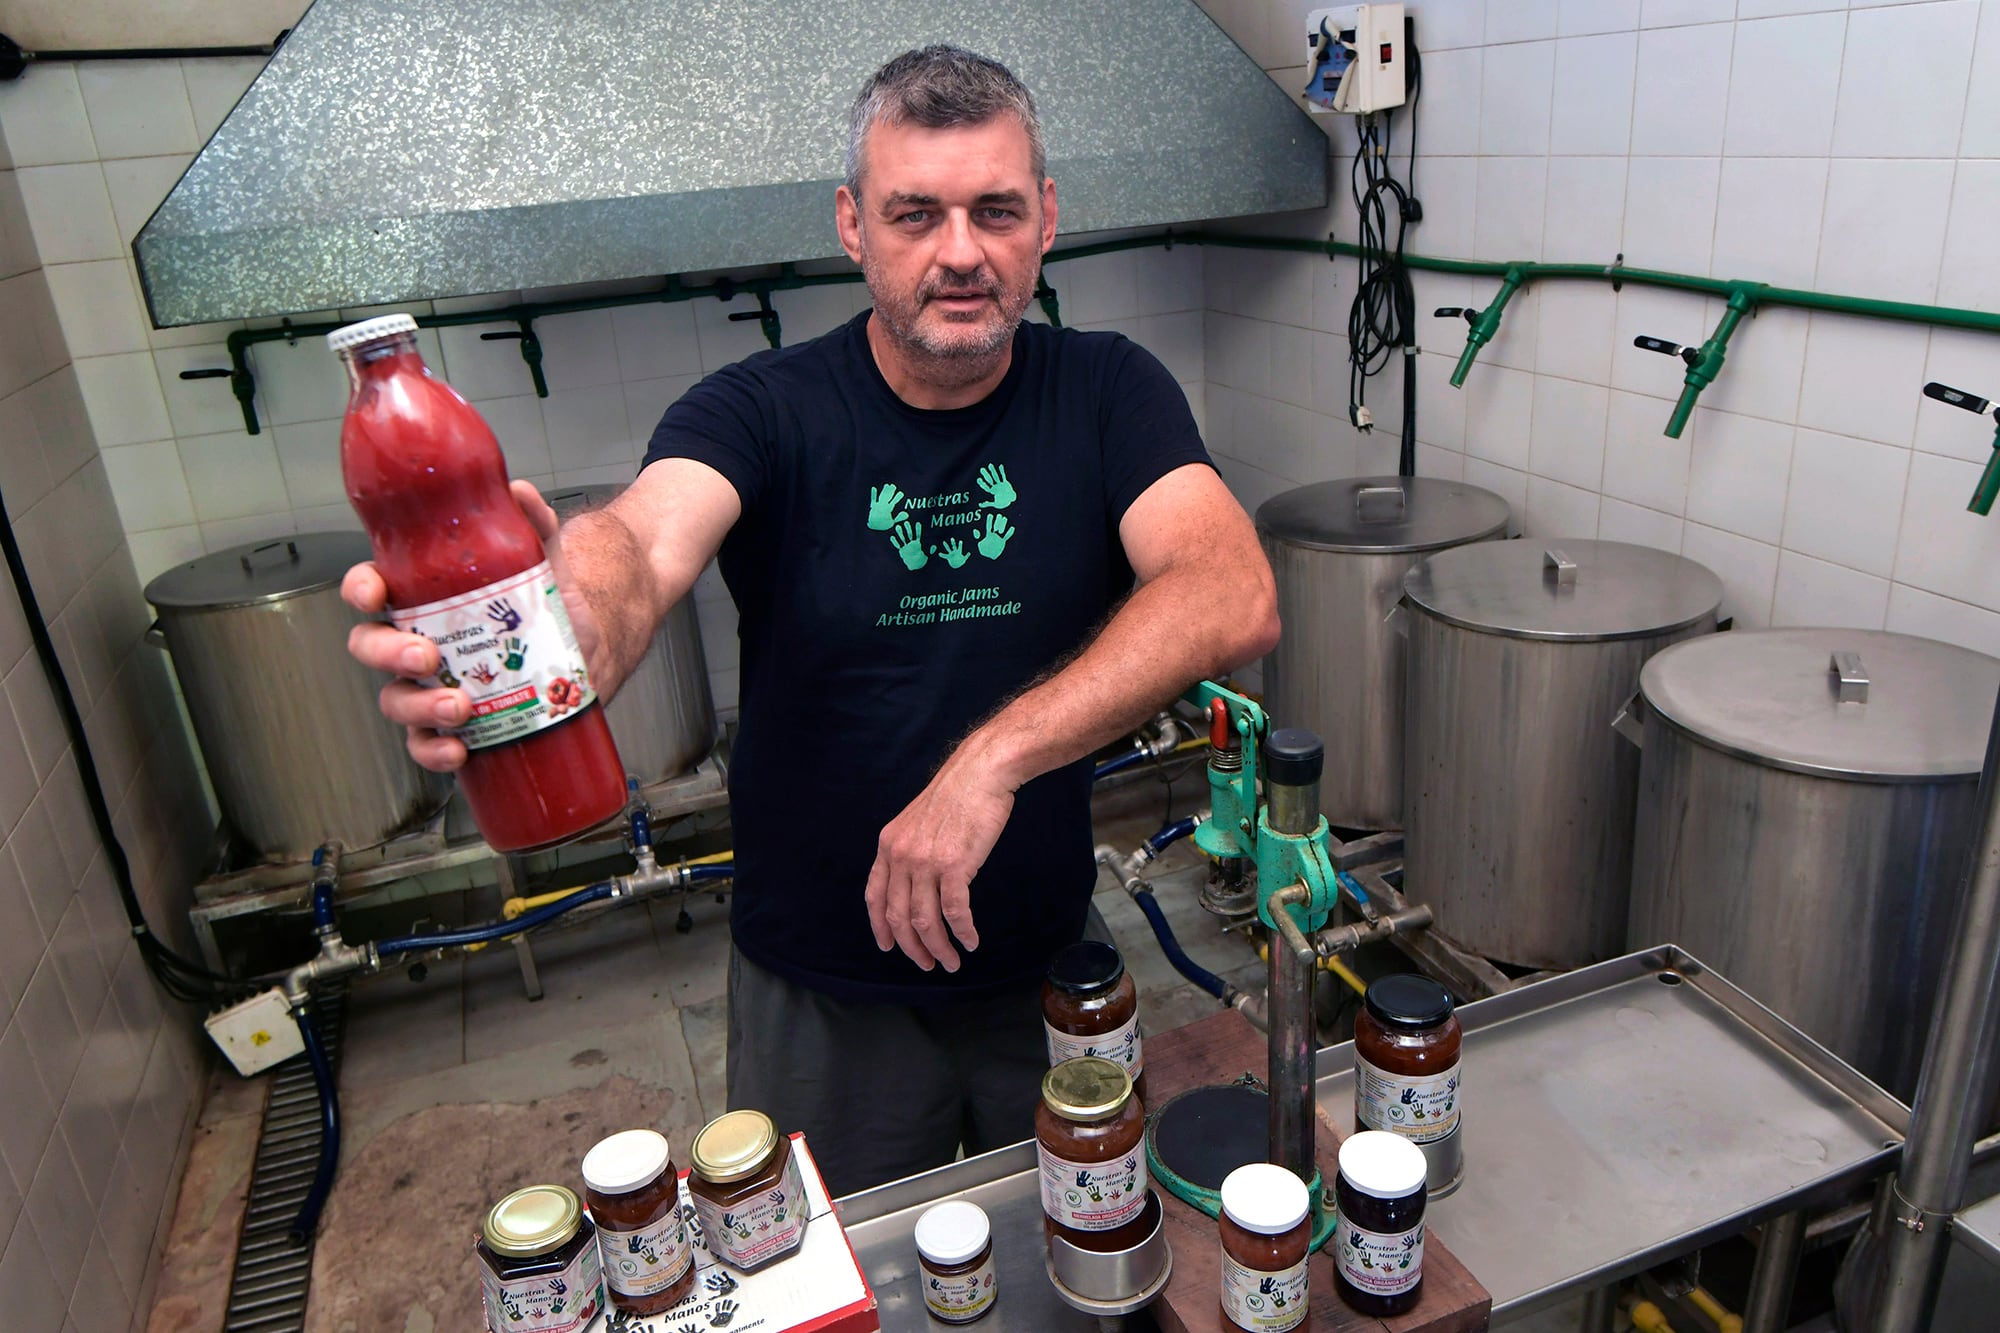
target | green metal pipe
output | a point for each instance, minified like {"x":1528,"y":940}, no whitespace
{"x":1989,"y":482}
{"x":1708,"y":363}
{"x":1486,"y":323}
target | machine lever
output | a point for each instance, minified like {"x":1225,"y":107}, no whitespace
{"x":1971,"y":402}
{"x":1648,"y":343}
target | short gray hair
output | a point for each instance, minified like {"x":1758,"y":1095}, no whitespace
{"x":940,"y":87}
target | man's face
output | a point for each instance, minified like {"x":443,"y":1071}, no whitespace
{"x":949,"y":232}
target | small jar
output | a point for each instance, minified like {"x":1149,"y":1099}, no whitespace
{"x":1090,"y":1139}
{"x":635,"y":1198}
{"x":539,"y":1269}
{"x":955,"y":1252}
{"x":1090,"y":1006}
{"x":1406,"y":1071}
{"x":1378,"y":1262}
{"x":746,"y":1190}
{"x":1266,"y":1234}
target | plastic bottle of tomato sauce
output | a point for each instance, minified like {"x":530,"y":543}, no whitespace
{"x":466,"y":569}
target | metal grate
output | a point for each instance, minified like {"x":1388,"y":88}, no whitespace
{"x":267,"y":1292}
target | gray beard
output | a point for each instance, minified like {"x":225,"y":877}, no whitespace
{"x":950,"y":364}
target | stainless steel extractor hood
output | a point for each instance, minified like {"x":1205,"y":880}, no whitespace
{"x":396,"y":150}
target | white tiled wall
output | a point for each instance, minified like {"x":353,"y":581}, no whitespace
{"x":1761,"y":139}
{"x":98,"y":1076}
{"x":107,"y":146}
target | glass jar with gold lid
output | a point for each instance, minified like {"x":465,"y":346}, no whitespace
{"x":746,"y":1190}
{"x":539,"y":1267}
{"x":1089,"y":1140}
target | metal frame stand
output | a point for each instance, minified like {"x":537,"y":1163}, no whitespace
{"x":1768,"y":1308}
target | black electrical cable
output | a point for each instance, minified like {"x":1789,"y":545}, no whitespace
{"x":1381,"y":323}
{"x":180,"y":978}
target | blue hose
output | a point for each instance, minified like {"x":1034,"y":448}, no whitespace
{"x":1171,"y":947}
{"x":1117,"y":765}
{"x":1170,"y":835}
{"x":329,"y":1139}
{"x":322,"y":892}
{"x":726,"y":870}
{"x":498,"y":930}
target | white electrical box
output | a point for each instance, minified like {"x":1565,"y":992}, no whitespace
{"x":1355,"y":59}
{"x":257,"y":1033}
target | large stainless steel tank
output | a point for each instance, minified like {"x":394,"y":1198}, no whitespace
{"x":663,"y":718}
{"x":289,"y":724}
{"x":1518,"y":795}
{"x":1806,"y":835}
{"x":1340,"y":550}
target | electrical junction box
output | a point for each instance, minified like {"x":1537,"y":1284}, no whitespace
{"x":1355,"y":55}
{"x":257,"y":1033}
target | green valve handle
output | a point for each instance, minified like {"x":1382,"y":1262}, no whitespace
{"x":1988,"y":489}
{"x":1484,"y":323}
{"x":1704,"y":363}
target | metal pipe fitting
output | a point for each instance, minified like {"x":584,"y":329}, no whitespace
{"x":1337,"y":940}
{"x":1290,"y":1068}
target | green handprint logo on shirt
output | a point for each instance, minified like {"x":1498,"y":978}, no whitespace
{"x":998,"y":532}
{"x":993,"y":480}
{"x":909,"y":542}
{"x":954,"y":553}
{"x":883,"y":501}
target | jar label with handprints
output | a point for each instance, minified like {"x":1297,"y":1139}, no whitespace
{"x":1422,"y":1110}
{"x":1122,"y":1046}
{"x":1381,"y":1264}
{"x":649,"y":1260}
{"x":750,"y":1230}
{"x":962,"y":1297}
{"x":1263,"y":1302}
{"x":563,"y":1302}
{"x":1093,"y":1196}
{"x":510,"y":647}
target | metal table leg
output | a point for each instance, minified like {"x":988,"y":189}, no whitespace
{"x":1600,"y":1310}
{"x":531,"y":978}
{"x":1768,"y":1307}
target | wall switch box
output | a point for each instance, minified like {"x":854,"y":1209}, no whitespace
{"x":1355,"y":57}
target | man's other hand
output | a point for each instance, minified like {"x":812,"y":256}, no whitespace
{"x":920,"y":888}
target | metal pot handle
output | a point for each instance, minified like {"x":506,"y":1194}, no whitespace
{"x":1398,"y":619}
{"x":1631,"y":720}
{"x":1365,"y":493}
{"x":290,"y":546}
{"x":1849,"y":678}
{"x":156,"y":635}
{"x":1559,"y":567}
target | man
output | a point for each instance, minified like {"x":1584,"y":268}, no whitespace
{"x":925,"y":518}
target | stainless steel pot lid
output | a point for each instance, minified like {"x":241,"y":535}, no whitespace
{"x":1915,"y":708}
{"x":1369,"y":515}
{"x":1549,"y":589}
{"x":260,"y":572}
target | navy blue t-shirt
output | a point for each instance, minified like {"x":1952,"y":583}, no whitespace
{"x":899,"y":574}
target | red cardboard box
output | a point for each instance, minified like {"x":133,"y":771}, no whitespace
{"x":819,"y":1289}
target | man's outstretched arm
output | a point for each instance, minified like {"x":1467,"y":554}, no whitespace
{"x":1204,"y":605}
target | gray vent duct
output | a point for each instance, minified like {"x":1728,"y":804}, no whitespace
{"x":396,"y":151}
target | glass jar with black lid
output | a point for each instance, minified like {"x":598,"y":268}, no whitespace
{"x":1090,"y":1006}
{"x":1407,"y":1045}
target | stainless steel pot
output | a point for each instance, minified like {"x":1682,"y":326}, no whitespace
{"x":1518,"y":796}
{"x":1339,"y":550}
{"x":1807,"y":804}
{"x":289,"y":725}
{"x":663,"y":718}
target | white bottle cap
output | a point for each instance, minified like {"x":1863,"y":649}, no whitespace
{"x":625,"y":1162}
{"x":369,"y":330}
{"x":1385,"y":1165}
{"x":952,"y":1232}
{"x":1264,"y":1198}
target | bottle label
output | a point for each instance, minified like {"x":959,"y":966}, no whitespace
{"x":509,"y":645}
{"x":751,"y":1230}
{"x":1093,"y":1196}
{"x":1122,"y":1046}
{"x":962,"y":1297}
{"x":562,"y":1302}
{"x":1422,"y":1110}
{"x":1263,"y":1302}
{"x":649,"y":1260}
{"x":1377,"y":1263}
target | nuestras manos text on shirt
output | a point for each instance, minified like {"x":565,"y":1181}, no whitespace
{"x":903,"y":518}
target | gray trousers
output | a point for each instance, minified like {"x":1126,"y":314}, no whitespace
{"x":883,"y":1091}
